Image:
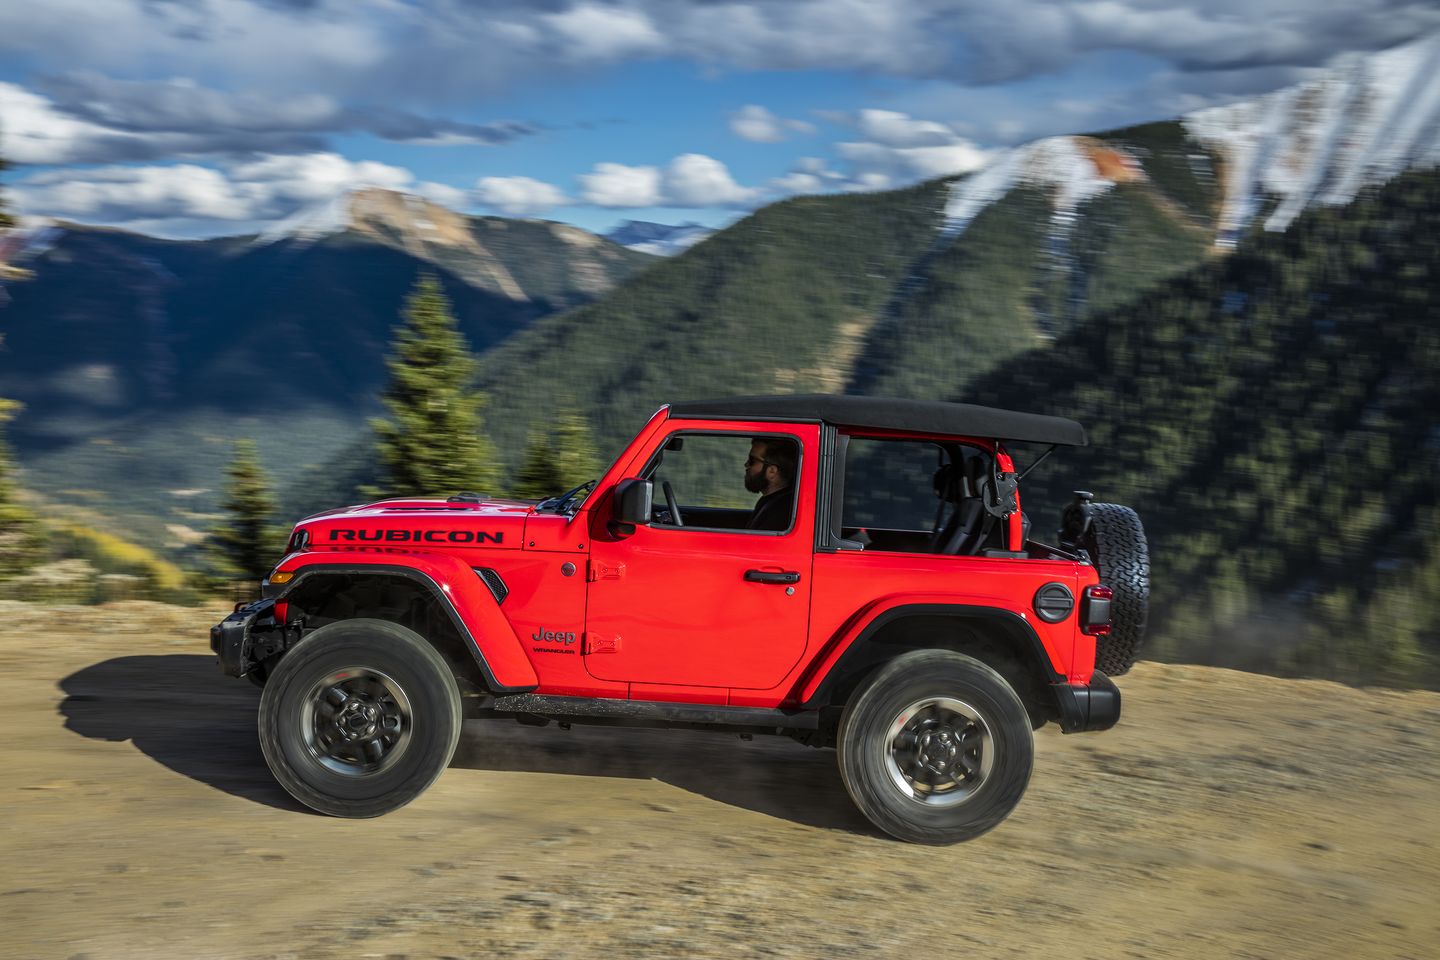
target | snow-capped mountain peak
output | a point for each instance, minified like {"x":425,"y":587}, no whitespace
{"x":1358,"y":124}
{"x":659,"y":239}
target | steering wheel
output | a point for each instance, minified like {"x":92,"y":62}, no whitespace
{"x":670,"y":503}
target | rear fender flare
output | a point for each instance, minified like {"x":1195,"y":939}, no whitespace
{"x":459,"y":591}
{"x":854,"y":645}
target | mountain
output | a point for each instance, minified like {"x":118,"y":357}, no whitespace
{"x":659,"y":239}
{"x":1274,"y":415}
{"x":916,"y":292}
{"x":1237,"y":303}
{"x":139,"y":359}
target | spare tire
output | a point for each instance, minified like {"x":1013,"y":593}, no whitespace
{"x":1116,"y":541}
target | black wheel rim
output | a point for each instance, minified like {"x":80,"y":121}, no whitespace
{"x":939,"y":751}
{"x":356,"y":721}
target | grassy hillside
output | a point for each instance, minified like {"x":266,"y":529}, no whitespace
{"x":780,"y":301}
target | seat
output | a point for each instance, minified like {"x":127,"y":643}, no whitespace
{"x":965,"y":529}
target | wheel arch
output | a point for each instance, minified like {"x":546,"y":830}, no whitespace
{"x":479,"y":644}
{"x":997,"y":637}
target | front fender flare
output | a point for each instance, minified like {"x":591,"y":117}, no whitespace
{"x":460,"y":592}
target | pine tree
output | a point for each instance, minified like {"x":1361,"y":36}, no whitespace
{"x":539,"y":474}
{"x":432,"y":444}
{"x":5,"y":219}
{"x":20,"y":543}
{"x":560,"y":455}
{"x":246,"y":545}
{"x":575,"y":449}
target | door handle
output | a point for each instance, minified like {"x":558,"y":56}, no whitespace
{"x":768,"y":576}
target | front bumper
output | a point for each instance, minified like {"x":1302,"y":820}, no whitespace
{"x":1088,"y":706}
{"x":246,"y":637}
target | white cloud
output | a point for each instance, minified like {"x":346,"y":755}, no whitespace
{"x":604,"y":32}
{"x":109,"y":194}
{"x":616,"y":185}
{"x":428,"y":49}
{"x":31,"y":131}
{"x":689,"y":180}
{"x":443,"y":194}
{"x":902,"y":149}
{"x":695,"y":180}
{"x":809,"y":175}
{"x":759,"y":125}
{"x":870,"y":180}
{"x":894,"y":129}
{"x":519,"y":196}
{"x":196,"y":200}
{"x":316,"y":176}
{"x":797,"y":182}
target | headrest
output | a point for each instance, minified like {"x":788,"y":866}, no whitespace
{"x":977,"y":471}
{"x":951,"y":484}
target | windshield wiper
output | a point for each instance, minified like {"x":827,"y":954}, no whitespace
{"x":562,"y":503}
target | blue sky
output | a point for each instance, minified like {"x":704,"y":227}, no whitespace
{"x":217,"y":117}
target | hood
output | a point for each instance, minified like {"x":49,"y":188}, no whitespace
{"x":427,"y":524}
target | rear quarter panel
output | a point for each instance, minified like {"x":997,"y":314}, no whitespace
{"x":851,"y":589}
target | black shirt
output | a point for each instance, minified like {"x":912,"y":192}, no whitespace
{"x":772,"y":511}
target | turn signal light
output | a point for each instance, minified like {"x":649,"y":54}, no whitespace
{"x":1095,"y":611}
{"x":284,"y":576}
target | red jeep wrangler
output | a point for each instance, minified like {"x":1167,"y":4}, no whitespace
{"x":892,"y":606}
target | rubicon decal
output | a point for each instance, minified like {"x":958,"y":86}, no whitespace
{"x":418,"y":536}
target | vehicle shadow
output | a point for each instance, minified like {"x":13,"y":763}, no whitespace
{"x":180,"y":711}
{"x":771,"y":775}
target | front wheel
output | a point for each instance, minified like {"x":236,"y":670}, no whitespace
{"x":359,"y":718}
{"x":935,"y":748}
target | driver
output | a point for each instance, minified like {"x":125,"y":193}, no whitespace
{"x":770,"y":472}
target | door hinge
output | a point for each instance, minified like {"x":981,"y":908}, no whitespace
{"x":594,"y":644}
{"x":604,"y":571}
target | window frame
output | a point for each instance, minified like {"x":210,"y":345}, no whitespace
{"x":654,"y":460}
{"x":835,"y":450}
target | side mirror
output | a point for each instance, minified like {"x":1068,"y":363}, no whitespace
{"x":633,"y":501}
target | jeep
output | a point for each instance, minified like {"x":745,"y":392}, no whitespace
{"x":894,"y":606}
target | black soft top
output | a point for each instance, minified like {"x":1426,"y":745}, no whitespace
{"x":919,"y":416}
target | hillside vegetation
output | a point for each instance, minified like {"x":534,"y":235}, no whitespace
{"x":1272,"y":415}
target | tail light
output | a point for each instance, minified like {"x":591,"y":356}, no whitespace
{"x":1095,"y":610}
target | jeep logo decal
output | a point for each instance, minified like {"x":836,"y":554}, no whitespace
{"x":418,"y":536}
{"x":554,"y":636}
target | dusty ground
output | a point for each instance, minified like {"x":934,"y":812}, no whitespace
{"x":1228,"y":816}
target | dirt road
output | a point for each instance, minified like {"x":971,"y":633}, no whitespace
{"x":1228,"y":815}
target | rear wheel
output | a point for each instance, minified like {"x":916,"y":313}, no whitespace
{"x":1116,"y":542}
{"x":359,"y":718}
{"x":935,"y":748}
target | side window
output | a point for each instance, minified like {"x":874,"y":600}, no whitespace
{"x":728,"y":481}
{"x":905,"y":495}
{"x":889,"y":484}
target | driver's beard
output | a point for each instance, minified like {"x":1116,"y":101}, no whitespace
{"x":755,"y":482}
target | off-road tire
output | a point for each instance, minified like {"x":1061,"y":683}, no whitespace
{"x":868,"y":757}
{"x":359,"y":657}
{"x":1116,"y":542}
